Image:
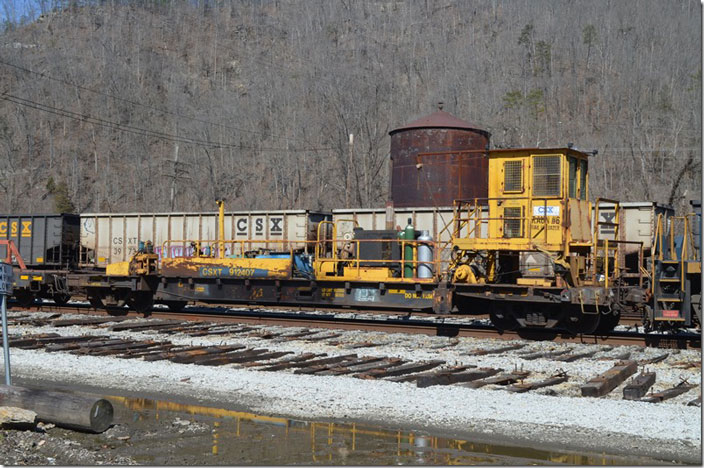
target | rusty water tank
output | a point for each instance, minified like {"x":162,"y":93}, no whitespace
{"x":438,"y":159}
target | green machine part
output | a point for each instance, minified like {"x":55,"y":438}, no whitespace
{"x":408,"y":234}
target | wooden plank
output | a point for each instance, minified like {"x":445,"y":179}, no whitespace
{"x":400,"y":370}
{"x":549,"y":382}
{"x":638,"y":386}
{"x":679,"y":389}
{"x":502,"y":379}
{"x":612,"y":378}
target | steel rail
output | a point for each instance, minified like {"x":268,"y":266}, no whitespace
{"x":397,"y":323}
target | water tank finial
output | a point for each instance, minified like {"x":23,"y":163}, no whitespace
{"x":440,"y":105}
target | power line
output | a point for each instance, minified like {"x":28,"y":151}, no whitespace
{"x":138,"y":130}
{"x":135,"y":103}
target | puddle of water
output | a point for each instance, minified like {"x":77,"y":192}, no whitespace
{"x":164,"y":432}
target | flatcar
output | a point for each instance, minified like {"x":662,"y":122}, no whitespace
{"x":530,"y":255}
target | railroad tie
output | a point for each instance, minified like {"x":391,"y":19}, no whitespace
{"x":290,"y":362}
{"x":310,"y":370}
{"x":678,"y":389}
{"x":120,"y":348}
{"x":85,"y":321}
{"x":548,"y":354}
{"x":357,"y":365}
{"x":400,"y":370}
{"x":233,"y":358}
{"x":549,"y":382}
{"x":265,"y":359}
{"x":159,"y":348}
{"x":162,"y":355}
{"x":323,"y":337}
{"x":575,"y":356}
{"x":639,"y":386}
{"x":654,"y":360}
{"x":141,"y":326}
{"x":99,"y":342}
{"x":380,"y":364}
{"x":196,"y":355}
{"x":490,"y":378}
{"x":612,"y":378}
{"x":415,"y":377}
{"x":618,"y":357}
{"x":482,"y":352}
{"x":446,"y":376}
{"x":317,"y":363}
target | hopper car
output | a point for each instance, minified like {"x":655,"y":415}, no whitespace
{"x":534,"y":254}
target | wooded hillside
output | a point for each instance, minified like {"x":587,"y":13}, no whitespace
{"x":168,"y":105}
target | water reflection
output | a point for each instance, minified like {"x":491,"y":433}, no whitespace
{"x":237,"y":437}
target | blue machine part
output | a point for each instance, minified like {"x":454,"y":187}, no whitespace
{"x":303,"y":265}
{"x":274,"y":256}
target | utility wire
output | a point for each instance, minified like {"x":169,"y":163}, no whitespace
{"x":135,"y":103}
{"x":138,"y":130}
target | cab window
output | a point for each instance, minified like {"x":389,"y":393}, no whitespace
{"x":572,"y":177}
{"x":547,"y":176}
{"x":513,"y":176}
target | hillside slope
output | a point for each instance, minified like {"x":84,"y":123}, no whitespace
{"x":170,"y":105}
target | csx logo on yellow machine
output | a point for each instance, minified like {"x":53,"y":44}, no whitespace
{"x":14,"y":228}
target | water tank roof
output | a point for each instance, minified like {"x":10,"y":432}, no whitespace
{"x":438,"y":119}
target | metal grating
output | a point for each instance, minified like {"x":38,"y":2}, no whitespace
{"x":546,"y":176}
{"x":513,"y":176}
{"x":513,"y":222}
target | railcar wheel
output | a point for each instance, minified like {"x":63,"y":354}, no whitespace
{"x":117,"y":311}
{"x":24,"y":298}
{"x":141,"y":302}
{"x":175,"y":306}
{"x":576,"y":322}
{"x":502,"y":317}
{"x":61,"y":299}
{"x":96,"y":302}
